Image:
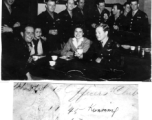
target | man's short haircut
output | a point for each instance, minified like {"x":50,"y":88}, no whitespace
{"x":79,"y":0}
{"x":99,"y":1}
{"x":104,"y":26}
{"x":46,"y":1}
{"x":134,"y":1}
{"x":25,"y":26}
{"x":119,"y":6}
{"x":126,"y":3}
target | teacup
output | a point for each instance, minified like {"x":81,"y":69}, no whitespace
{"x":35,"y":58}
{"x":132,"y":47}
{"x":54,"y":57}
{"x":80,"y":51}
{"x":52,"y":63}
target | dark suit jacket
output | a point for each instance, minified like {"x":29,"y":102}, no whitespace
{"x":79,"y":17}
{"x":21,"y":56}
{"x":66,"y":25}
{"x":119,"y":22}
{"x":137,"y":23}
{"x":109,"y":54}
{"x":46,"y":22}
{"x":97,"y":17}
{"x":7,"y":18}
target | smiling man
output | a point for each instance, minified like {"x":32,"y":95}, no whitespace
{"x":23,"y":53}
{"x":49,"y":22}
{"x":137,"y":23}
{"x":105,"y":51}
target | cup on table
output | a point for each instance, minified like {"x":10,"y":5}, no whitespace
{"x":132,"y":47}
{"x":54,"y":57}
{"x":52,"y":63}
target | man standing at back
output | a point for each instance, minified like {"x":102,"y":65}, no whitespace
{"x":80,"y":15}
{"x":67,"y":21}
{"x":48,"y":20}
{"x":97,"y":16}
{"x":137,"y":23}
{"x":9,"y":29}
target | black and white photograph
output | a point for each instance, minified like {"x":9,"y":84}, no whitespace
{"x":76,"y":40}
{"x":46,"y":101}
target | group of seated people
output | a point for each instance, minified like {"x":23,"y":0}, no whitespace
{"x":70,"y":33}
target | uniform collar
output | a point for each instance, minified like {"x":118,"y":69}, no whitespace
{"x":134,"y":12}
{"x":104,"y":42}
{"x":50,"y":13}
{"x":100,"y":10}
{"x":8,"y":7}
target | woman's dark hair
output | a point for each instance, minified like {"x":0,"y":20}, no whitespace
{"x":81,"y":27}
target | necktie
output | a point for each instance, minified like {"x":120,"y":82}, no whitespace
{"x":39,"y":47}
{"x":10,"y":10}
{"x":52,"y":15}
{"x":82,"y":12}
{"x":133,"y":13}
{"x":31,"y":49}
{"x":70,"y":14}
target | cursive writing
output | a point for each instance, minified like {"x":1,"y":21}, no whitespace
{"x":93,"y":109}
{"x":124,"y":90}
{"x":83,"y":91}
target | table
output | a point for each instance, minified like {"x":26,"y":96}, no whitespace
{"x":135,"y":69}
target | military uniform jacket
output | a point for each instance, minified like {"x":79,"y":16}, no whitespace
{"x":7,"y":17}
{"x":80,"y":16}
{"x":109,"y":54}
{"x":119,"y":22}
{"x":46,"y":22}
{"x":137,"y":23}
{"x":97,"y":17}
{"x":66,"y":22}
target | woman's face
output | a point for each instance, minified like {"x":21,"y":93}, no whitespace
{"x":78,"y":33}
{"x":38,"y":33}
{"x":105,"y":16}
{"x":100,"y":34}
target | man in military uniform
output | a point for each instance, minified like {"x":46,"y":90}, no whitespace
{"x":97,"y":16}
{"x":98,"y":13}
{"x":49,"y":22}
{"x":10,"y":28}
{"x":104,"y":51}
{"x":137,"y":23}
{"x":126,"y":8}
{"x":24,"y":48}
{"x":80,"y":14}
{"x":115,"y":22}
{"x":67,"y":21}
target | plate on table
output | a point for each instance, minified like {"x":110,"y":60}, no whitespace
{"x":66,"y":58}
{"x":126,"y":46}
